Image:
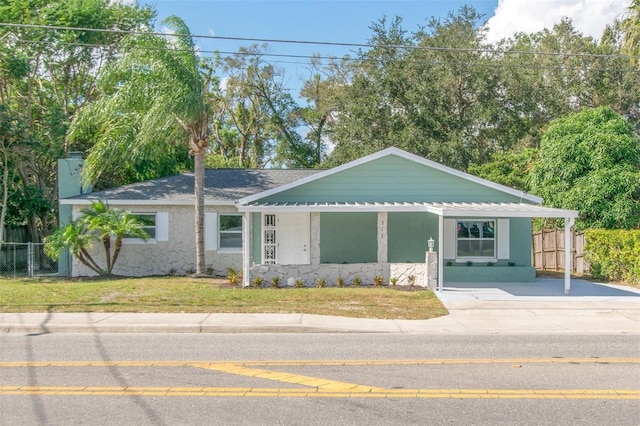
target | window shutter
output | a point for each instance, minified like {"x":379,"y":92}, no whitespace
{"x":211,"y":231}
{"x":162,"y":226}
{"x":449,"y":239}
{"x":503,"y":239}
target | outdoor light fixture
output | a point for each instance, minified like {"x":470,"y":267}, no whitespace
{"x":430,"y":242}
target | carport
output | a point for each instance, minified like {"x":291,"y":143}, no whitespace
{"x":502,"y":210}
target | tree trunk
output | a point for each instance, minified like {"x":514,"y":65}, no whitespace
{"x":5,"y":194}
{"x":198,"y":175}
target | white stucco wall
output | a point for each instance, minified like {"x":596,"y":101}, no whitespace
{"x":177,"y":255}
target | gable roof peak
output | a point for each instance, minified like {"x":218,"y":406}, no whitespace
{"x":402,"y":154}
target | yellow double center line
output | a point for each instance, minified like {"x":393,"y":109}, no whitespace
{"x":314,"y":386}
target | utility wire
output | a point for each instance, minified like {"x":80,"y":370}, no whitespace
{"x":227,"y":55}
{"x":322,"y":43}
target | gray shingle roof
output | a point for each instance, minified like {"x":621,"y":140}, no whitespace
{"x":221,"y":185}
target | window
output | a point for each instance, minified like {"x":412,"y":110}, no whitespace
{"x":149,"y":221}
{"x":155,"y":224}
{"x":230,"y":232}
{"x":269,"y":239}
{"x":476,"y":239}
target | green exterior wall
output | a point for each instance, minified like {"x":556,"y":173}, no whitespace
{"x":391,"y":179}
{"x":256,"y":237}
{"x":351,"y":237}
{"x":519,"y":253}
{"x":348,"y":237}
{"x":520,"y":241}
{"x":407,"y":235}
{"x":482,"y":273}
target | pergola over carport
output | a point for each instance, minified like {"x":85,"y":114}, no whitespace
{"x":504,"y":210}
{"x":442,"y":210}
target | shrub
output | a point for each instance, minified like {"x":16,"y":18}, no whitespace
{"x":257,"y":282}
{"x":233,"y":275}
{"x":412,"y":280}
{"x":469,"y":263}
{"x":340,"y":281}
{"x":275,"y":282}
{"x":489,"y":263}
{"x":378,"y":280}
{"x":393,"y":280}
{"x":321,"y":282}
{"x":299,"y":283}
{"x":357,"y":281}
{"x":613,"y":254}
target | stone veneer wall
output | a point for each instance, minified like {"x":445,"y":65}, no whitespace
{"x":330,"y":272}
{"x":178,"y":254}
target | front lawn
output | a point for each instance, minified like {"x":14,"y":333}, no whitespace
{"x":181,"y":294}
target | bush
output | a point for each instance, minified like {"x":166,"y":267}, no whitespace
{"x":275,"y":282}
{"x":257,"y":282}
{"x":613,"y":254}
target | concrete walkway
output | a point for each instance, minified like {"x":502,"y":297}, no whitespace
{"x":509,"y":308}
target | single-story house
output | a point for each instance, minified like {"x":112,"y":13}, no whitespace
{"x":371,"y":217}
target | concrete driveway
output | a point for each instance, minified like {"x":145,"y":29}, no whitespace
{"x":541,"y":307}
{"x":543,"y":289}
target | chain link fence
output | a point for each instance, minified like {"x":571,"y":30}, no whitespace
{"x":25,"y":260}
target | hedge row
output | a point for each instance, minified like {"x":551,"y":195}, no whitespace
{"x":613,"y":254}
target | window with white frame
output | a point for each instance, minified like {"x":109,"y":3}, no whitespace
{"x":230,"y":232}
{"x":149,"y":226}
{"x":476,"y":239}
{"x":155,"y":224}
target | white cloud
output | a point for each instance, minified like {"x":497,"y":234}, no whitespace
{"x":589,"y":16}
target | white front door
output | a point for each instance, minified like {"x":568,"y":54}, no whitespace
{"x":293,"y":233}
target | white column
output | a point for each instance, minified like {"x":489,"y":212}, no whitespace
{"x":568,"y":223}
{"x":440,"y":252}
{"x":315,"y":238}
{"x":246,"y":249}
{"x":382,"y":237}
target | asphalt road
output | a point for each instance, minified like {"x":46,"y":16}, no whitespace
{"x":318,"y":379}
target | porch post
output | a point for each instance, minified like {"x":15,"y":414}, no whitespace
{"x":246,"y":248}
{"x":568,"y":223}
{"x":315,"y":238}
{"x":440,"y":252}
{"x":382,"y":237}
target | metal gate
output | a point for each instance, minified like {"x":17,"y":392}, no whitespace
{"x":26,"y":260}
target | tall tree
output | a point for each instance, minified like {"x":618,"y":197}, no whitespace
{"x":153,"y":101}
{"x":590,"y":161}
{"x":59,"y":67}
{"x":261,"y":117}
{"x":631,"y":26}
{"x":428,"y":92}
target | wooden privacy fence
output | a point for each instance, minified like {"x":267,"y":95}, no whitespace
{"x":548,"y":251}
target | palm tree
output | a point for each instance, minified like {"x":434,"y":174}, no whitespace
{"x":98,"y":222}
{"x":631,"y":28}
{"x":73,"y":238}
{"x":154,"y":97}
{"x":108,"y":224}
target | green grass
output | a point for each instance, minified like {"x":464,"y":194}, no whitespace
{"x":179,"y":294}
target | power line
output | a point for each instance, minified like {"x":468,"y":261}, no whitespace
{"x":320,"y":43}
{"x":358,"y":60}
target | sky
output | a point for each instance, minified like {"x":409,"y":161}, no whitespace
{"x":348,"y":21}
